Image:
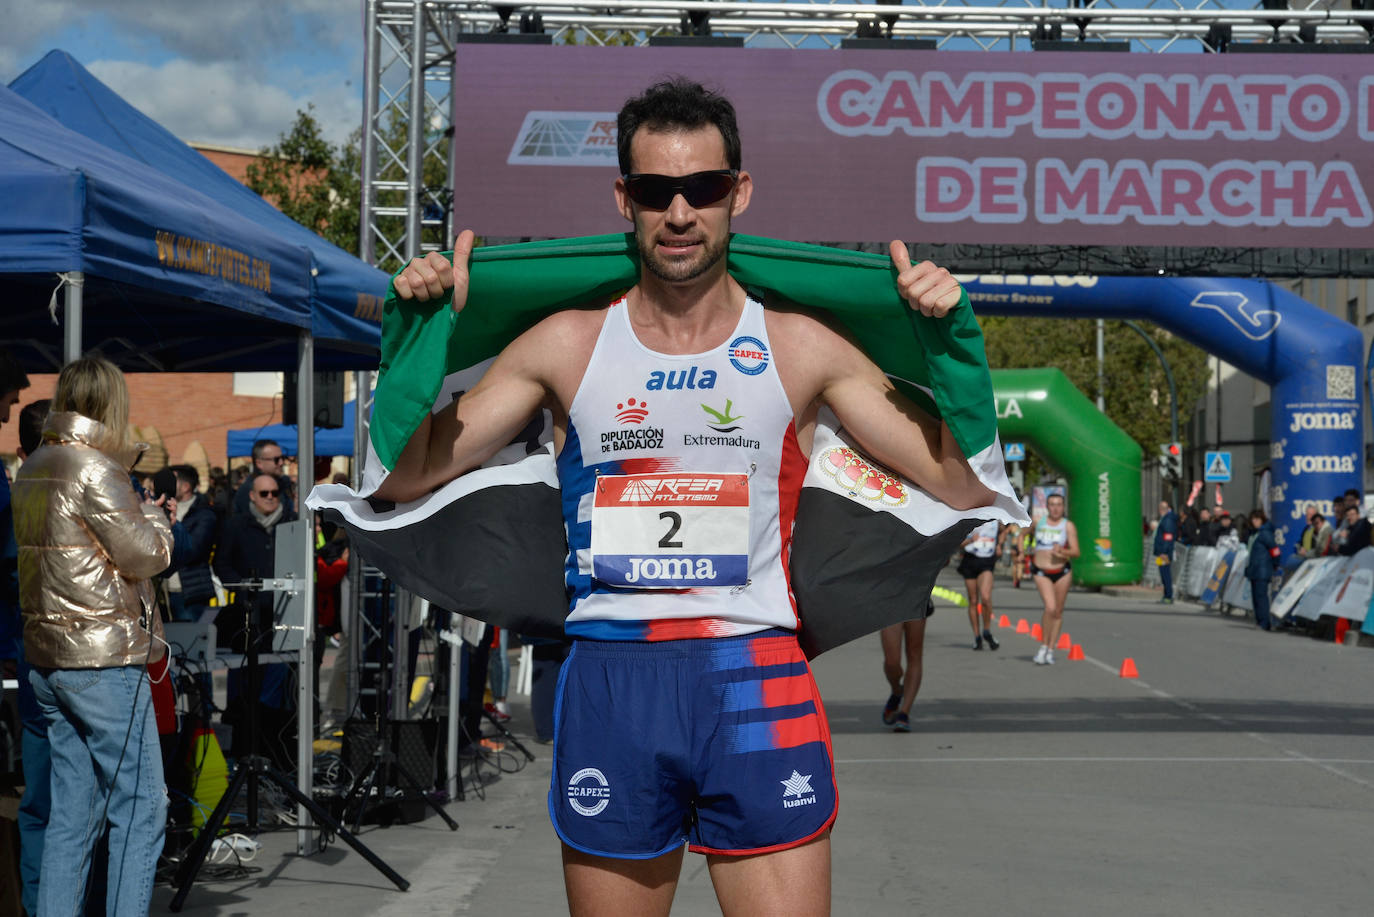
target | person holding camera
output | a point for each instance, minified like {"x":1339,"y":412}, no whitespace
{"x":88,"y":550}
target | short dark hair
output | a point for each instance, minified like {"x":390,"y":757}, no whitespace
{"x":12,"y":376}
{"x":1352,"y":492}
{"x":261,"y":444}
{"x":1319,"y":516}
{"x":188,"y":474}
{"x":31,"y":418}
{"x":677,"y":104}
{"x":1260,"y":515}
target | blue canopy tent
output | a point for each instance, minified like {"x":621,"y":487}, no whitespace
{"x":170,"y":278}
{"x":346,"y":293}
{"x":327,"y":442}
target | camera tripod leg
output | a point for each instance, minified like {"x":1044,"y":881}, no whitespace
{"x":324,"y":818}
{"x":195,"y":858}
{"x":365,"y":783}
{"x":415,"y":785}
{"x":506,"y":734}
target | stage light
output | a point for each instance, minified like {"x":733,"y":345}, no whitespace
{"x":1218,"y":36}
{"x":889,"y":19}
{"x":531,"y":23}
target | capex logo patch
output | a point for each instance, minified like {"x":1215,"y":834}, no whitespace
{"x":589,"y":793}
{"x":859,"y":478}
{"x":631,"y":415}
{"x":748,"y":355}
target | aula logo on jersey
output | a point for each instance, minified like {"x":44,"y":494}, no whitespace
{"x":748,"y":355}
{"x":693,"y":377}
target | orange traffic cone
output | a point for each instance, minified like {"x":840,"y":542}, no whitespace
{"x":1037,"y":633}
{"x":1064,"y":642}
{"x":1022,"y":627}
{"x":1342,"y":625}
{"x":1076,"y":654}
{"x":1128,"y":668}
{"x":1005,"y":622}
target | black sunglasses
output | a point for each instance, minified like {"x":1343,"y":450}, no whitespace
{"x":700,"y":188}
{"x":274,"y":459}
{"x":268,"y":493}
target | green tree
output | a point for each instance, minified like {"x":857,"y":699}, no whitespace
{"x":318,"y":184}
{"x":312,"y":181}
{"x":1136,"y":392}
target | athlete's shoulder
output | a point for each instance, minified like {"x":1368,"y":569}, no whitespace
{"x":804,"y":328}
{"x":568,"y":328}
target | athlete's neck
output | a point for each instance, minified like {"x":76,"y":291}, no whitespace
{"x":688,"y":317}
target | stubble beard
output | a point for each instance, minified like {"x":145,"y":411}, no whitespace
{"x":682,"y":270}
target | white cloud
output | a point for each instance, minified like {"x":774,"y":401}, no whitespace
{"x":207,"y":30}
{"x":228,"y":103}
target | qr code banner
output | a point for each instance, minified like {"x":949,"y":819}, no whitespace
{"x":1340,"y":383}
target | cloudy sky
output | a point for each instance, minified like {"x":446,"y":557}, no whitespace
{"x":230,"y":72}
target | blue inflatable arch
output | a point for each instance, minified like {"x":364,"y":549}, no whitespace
{"x":1310,"y":359}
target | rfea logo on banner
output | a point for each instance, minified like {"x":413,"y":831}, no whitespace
{"x":565,"y":138}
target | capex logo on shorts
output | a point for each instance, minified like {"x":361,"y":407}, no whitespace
{"x":565,"y":138}
{"x":589,"y":793}
{"x":748,"y":355}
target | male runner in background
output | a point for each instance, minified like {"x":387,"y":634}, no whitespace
{"x":688,"y":714}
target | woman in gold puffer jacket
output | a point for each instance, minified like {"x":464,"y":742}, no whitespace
{"x":88,"y":547}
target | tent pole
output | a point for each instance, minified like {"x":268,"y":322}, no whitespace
{"x":71,"y":315}
{"x":305,"y":665}
{"x":415,"y":161}
{"x":352,"y":611}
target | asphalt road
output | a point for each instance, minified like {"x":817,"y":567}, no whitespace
{"x":1234,"y":776}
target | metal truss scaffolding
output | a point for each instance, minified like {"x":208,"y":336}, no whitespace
{"x":411,"y":45}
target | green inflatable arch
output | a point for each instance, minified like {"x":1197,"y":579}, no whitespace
{"x":1100,"y":462}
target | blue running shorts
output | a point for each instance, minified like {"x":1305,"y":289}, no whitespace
{"x":718,"y":743}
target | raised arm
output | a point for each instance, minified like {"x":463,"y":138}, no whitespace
{"x":885,"y":423}
{"x":462,"y":435}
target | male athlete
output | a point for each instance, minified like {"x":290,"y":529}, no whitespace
{"x":687,"y":713}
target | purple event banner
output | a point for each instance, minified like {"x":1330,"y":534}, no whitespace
{"x":1078,"y":148}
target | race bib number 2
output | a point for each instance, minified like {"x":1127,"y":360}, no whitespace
{"x":671,"y":531}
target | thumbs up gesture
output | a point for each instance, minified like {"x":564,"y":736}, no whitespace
{"x":931,"y":290}
{"x":434,"y":275}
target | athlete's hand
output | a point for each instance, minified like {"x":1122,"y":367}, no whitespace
{"x":430,"y":277}
{"x":928,"y":289}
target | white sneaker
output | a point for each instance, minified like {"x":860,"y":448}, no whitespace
{"x":1040,"y":654}
{"x":1049,"y":656}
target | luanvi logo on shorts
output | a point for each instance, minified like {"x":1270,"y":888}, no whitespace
{"x":798,"y":786}
{"x":565,"y":138}
{"x":588,"y":792}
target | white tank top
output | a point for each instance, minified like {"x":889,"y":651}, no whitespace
{"x":680,"y":478}
{"x":1048,"y":535}
{"x":984,"y":543}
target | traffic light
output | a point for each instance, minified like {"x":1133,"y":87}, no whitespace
{"x":1171,"y":460}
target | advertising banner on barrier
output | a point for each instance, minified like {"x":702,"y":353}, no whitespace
{"x":943,"y":146}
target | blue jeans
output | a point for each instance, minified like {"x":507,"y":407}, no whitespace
{"x":37,"y":800}
{"x":500,"y":667}
{"x":106,"y":764}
